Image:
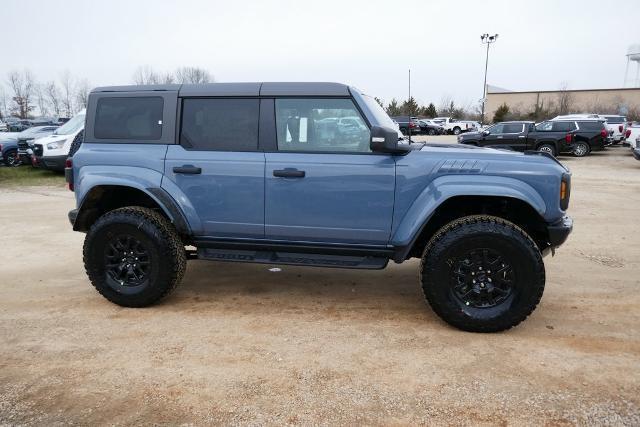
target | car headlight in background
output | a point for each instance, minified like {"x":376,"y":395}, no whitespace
{"x":56,"y":145}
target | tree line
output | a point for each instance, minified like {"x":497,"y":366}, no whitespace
{"x":446,"y":108}
{"x":24,"y":97}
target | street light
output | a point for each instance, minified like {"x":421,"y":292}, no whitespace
{"x":486,"y":39}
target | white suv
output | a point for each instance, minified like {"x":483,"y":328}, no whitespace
{"x":51,"y":152}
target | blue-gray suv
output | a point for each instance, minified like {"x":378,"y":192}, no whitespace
{"x":308,"y":174}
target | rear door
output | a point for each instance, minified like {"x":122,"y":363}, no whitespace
{"x":514,"y":136}
{"x":217,"y":166}
{"x":323,"y":183}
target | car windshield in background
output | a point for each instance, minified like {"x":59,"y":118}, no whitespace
{"x":71,"y":126}
{"x":615,"y":119}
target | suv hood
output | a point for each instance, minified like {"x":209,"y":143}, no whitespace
{"x":51,"y":138}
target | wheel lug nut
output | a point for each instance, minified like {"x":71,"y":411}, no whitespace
{"x":480,"y":268}
{"x":489,"y":279}
{"x":473,"y":273}
{"x":473,"y":281}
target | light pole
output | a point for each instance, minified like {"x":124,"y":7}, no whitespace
{"x":486,"y":39}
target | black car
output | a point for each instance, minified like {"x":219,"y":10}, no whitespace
{"x":407,"y":124}
{"x":429,"y":128}
{"x":589,"y":134}
{"x":521,"y":136}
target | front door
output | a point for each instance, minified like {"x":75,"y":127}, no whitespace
{"x":322,"y":183}
{"x":217,"y":166}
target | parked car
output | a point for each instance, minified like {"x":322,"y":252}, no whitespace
{"x":239,"y":172}
{"x":521,"y":136}
{"x":617,"y":124}
{"x":427,"y":127}
{"x":3,"y":127}
{"x":51,"y":152}
{"x":27,"y":138}
{"x":451,"y":125}
{"x":589,"y":134}
{"x":473,"y":125}
{"x":11,"y":141}
{"x":633,"y":133}
{"x":19,"y":125}
{"x":407,"y":124}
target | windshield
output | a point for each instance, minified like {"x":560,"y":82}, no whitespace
{"x":30,"y":131}
{"x":381,"y":116}
{"x":72,"y":126}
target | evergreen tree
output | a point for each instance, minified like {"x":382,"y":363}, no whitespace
{"x":501,"y":113}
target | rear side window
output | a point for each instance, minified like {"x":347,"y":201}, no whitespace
{"x":591,"y":125}
{"x":129,"y":118}
{"x":564,"y":126}
{"x":220,"y":124}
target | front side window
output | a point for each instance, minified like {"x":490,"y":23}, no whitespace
{"x":544,"y":126}
{"x":496,"y":129}
{"x":222,"y":124}
{"x":128,"y":118}
{"x":513,"y":128}
{"x":564,"y":126}
{"x":320,"y":125}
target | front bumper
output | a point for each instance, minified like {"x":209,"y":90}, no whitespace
{"x":559,"y":231}
{"x":636,"y":153}
{"x":54,"y":163}
{"x":73,"y":214}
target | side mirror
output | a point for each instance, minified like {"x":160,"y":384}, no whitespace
{"x":485,"y":133}
{"x":385,"y":140}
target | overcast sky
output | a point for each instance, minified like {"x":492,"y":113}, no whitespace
{"x":370,"y":44}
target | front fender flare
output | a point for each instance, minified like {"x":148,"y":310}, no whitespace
{"x":446,"y":187}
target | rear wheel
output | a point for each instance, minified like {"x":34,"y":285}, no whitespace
{"x":133,"y":256}
{"x":581,"y":149}
{"x":432,"y":132}
{"x":547,"y":148}
{"x":482,"y":274}
{"x":456,"y":130}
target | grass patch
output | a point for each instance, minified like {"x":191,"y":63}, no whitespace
{"x":28,"y":176}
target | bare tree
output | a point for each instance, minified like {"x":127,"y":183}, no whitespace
{"x":193,"y":75}
{"x":41,"y":99}
{"x":145,"y":75}
{"x":4,"y":112}
{"x":565,"y":100}
{"x":22,"y":85}
{"x":82,"y":93}
{"x":67,"y":85}
{"x":53,"y":97}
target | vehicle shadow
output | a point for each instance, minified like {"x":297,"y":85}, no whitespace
{"x":242,"y":287}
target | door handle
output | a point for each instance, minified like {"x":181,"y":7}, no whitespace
{"x":187,"y":169}
{"x":289,"y":173}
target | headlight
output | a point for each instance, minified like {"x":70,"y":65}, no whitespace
{"x":56,"y":145}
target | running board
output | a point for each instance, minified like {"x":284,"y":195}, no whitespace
{"x":292,"y":258}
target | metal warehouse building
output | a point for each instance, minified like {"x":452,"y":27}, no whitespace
{"x":621,"y":101}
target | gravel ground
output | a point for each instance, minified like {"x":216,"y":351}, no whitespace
{"x":238,"y":344}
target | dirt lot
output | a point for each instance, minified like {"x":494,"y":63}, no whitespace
{"x":238,"y":344}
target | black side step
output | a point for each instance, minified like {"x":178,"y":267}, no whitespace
{"x":292,"y":258}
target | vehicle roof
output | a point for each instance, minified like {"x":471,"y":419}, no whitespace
{"x":518,"y":121}
{"x":239,"y":89}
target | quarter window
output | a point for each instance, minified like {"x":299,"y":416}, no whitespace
{"x":129,"y":118}
{"x":220,"y":124}
{"x":320,"y":125}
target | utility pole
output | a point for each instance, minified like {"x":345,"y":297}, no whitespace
{"x":486,"y":39}
{"x":408,"y":101}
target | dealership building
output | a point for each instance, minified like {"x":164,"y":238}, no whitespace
{"x":620,"y":100}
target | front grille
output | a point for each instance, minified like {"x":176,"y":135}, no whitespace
{"x":23,"y":144}
{"x":37,"y":149}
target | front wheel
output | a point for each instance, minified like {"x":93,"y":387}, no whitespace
{"x":548,"y":148}
{"x":133,"y":256}
{"x":482,"y":274}
{"x":456,"y":130}
{"x":432,"y":132}
{"x":11,"y":158}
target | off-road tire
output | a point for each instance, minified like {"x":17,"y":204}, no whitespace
{"x":585,"y":149}
{"x":167,"y":257}
{"x":481,"y":232}
{"x":548,"y":148}
{"x":11,"y":159}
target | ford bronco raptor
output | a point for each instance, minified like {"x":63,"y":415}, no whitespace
{"x":307,"y":174}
